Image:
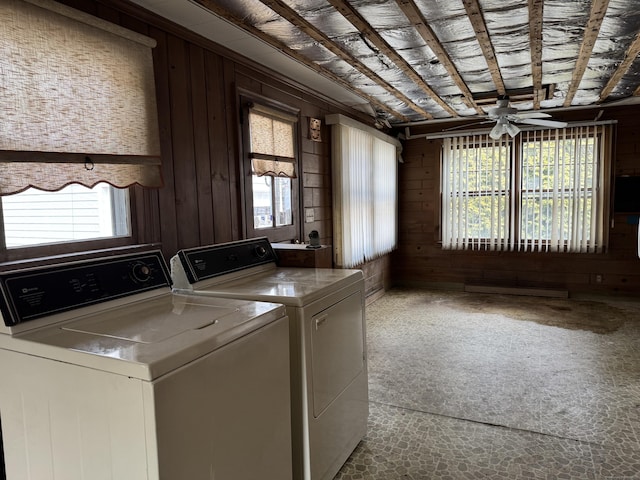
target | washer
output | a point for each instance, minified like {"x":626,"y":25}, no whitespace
{"x":106,"y":374}
{"x":325,"y":307}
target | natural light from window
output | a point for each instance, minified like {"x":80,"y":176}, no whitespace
{"x":550,"y":196}
{"x":272,"y":151}
{"x":75,"y":213}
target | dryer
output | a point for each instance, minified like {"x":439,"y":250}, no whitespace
{"x":327,"y":341}
{"x":106,"y":374}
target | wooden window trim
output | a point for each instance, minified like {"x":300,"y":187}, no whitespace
{"x":274,"y":234}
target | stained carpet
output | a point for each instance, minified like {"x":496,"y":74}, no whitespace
{"x":471,"y":386}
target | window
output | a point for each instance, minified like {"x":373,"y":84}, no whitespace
{"x":545,"y":190}
{"x":78,"y":108}
{"x":365,"y":192}
{"x":37,"y":217}
{"x":271,"y":164}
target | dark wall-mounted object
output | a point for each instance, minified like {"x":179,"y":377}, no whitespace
{"x":627,"y":194}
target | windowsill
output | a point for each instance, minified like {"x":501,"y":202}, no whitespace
{"x":75,"y":256}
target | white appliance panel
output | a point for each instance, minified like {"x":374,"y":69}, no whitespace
{"x":329,"y":391}
{"x":337,"y":350}
{"x":333,"y":434}
{"x":108,"y":375}
{"x":66,"y":422}
{"x":246,"y":376}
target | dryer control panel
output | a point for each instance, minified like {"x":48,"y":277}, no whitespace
{"x":211,"y":261}
{"x":35,"y":293}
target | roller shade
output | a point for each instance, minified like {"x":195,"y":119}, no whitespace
{"x":272,"y":142}
{"x":78,"y":100}
{"x":273,"y":168}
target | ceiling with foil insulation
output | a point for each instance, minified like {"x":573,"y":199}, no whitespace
{"x":420,"y":60}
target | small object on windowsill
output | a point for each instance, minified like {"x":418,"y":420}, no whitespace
{"x":314,"y":239}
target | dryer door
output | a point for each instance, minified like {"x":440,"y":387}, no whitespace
{"x":337,"y":349}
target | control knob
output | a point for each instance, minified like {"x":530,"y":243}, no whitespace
{"x":141,"y":272}
{"x":261,"y":252}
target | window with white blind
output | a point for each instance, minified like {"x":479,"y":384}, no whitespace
{"x":365,"y":192}
{"x":544,"y":190}
{"x":75,"y":213}
{"x":270,"y":145}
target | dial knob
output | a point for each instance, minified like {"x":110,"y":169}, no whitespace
{"x":141,"y":272}
{"x":261,"y":251}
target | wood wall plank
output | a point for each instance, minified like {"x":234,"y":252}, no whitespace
{"x":420,"y":260}
{"x":182,"y":128}
{"x":166,"y":195}
{"x":222,"y":216}
{"x":203,"y":192}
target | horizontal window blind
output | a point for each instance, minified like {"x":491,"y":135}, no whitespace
{"x":74,"y":213}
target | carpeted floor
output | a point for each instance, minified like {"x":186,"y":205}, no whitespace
{"x":470,"y":386}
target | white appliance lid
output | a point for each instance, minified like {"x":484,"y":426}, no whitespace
{"x":247,"y":269}
{"x":290,"y":286}
{"x":149,"y":338}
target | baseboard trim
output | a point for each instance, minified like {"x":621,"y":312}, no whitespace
{"x":534,"y":292}
{"x":372,"y":297}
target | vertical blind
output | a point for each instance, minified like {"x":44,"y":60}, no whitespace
{"x":545,"y":190}
{"x":564,"y":178}
{"x":476,"y":192}
{"x":365,"y":192}
{"x":78,"y":100}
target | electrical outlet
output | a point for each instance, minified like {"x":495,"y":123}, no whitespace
{"x":598,"y":278}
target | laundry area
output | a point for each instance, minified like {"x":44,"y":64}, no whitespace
{"x":319,"y":240}
{"x":108,"y":374}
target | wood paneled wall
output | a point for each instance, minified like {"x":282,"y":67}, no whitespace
{"x":198,"y":84}
{"x":420,"y":260}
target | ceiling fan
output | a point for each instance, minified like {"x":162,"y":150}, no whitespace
{"x":506,"y":116}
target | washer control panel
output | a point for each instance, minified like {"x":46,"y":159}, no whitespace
{"x":214,"y":260}
{"x":35,"y":293}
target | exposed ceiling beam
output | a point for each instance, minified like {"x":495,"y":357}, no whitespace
{"x":241,"y":23}
{"x":535,"y":40}
{"x":598,"y":11}
{"x":381,"y":44}
{"x":292,"y":17}
{"x":629,"y":57}
{"x":482,"y":34}
{"x":418,"y":21}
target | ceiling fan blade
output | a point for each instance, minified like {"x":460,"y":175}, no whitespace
{"x":543,"y":123}
{"x":497,"y":131}
{"x":465,"y":125}
{"x":512,"y":129}
{"x":520,"y":115}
